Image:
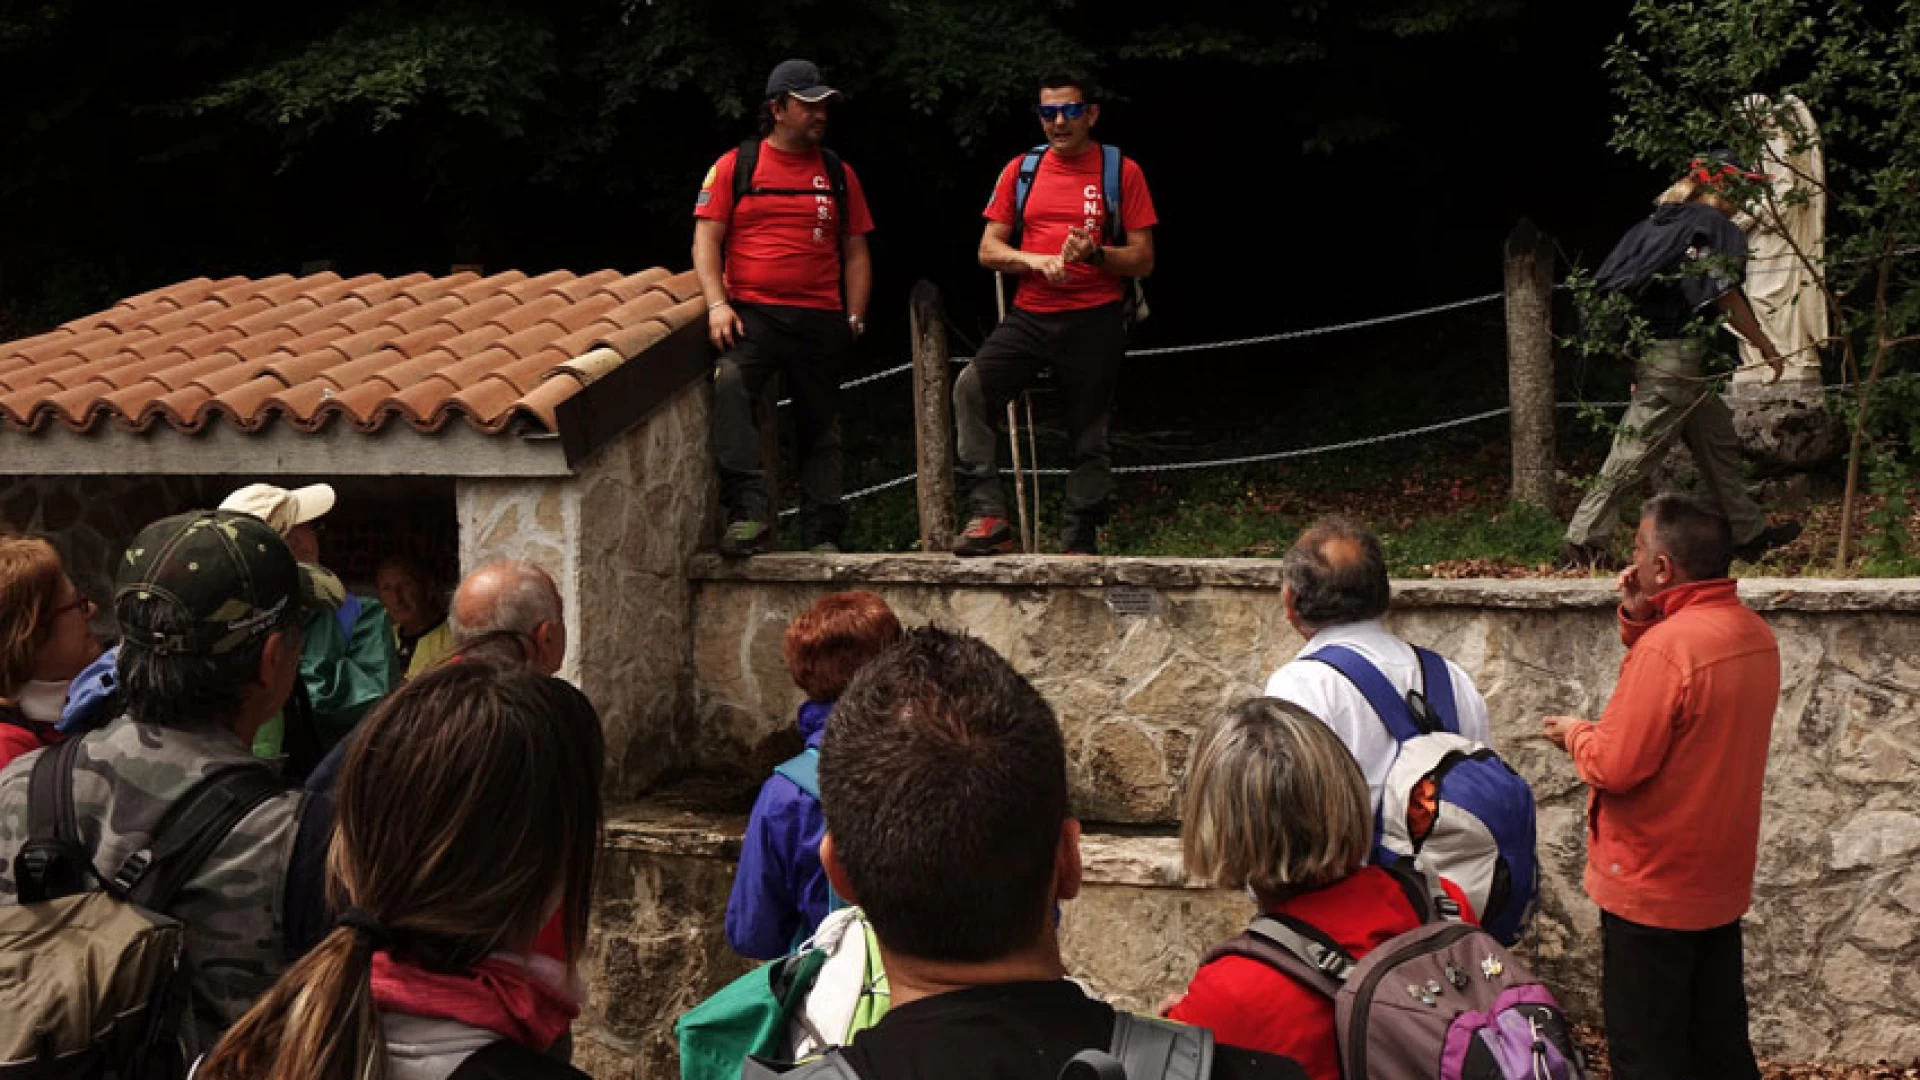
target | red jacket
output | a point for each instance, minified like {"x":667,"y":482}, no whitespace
{"x":1250,"y":1005}
{"x":1677,"y":760}
{"x":19,"y":735}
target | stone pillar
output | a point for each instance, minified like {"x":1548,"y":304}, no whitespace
{"x":616,"y":536}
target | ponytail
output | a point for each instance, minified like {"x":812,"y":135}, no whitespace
{"x":317,"y":1023}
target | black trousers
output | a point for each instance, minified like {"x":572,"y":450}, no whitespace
{"x":1675,"y":1002}
{"x":809,"y":346}
{"x":1084,"y":349}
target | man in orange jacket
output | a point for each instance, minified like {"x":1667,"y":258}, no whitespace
{"x":1675,"y":765}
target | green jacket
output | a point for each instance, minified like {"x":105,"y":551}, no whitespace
{"x":234,"y":909}
{"x":345,"y":676}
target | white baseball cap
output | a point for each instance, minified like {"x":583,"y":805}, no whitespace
{"x":280,"y":508}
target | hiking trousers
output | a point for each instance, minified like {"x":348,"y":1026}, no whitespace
{"x":809,"y":346}
{"x":1674,"y":1001}
{"x":1083,"y":349}
{"x":1671,"y":401}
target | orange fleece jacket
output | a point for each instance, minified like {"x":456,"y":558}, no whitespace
{"x":1676,"y":762}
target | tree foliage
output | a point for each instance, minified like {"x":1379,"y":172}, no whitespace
{"x":1682,"y":76}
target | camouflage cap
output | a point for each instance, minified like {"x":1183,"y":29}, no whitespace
{"x":227,"y":572}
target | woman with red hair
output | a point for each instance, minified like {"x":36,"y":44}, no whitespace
{"x":780,"y":893}
{"x":45,"y":640}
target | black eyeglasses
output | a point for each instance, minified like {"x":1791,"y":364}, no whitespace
{"x":1072,"y":110}
{"x":82,"y":604}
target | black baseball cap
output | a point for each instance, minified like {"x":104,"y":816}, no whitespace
{"x":226,"y":573}
{"x":799,"y":78}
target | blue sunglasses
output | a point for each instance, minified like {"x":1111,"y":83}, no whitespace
{"x":1072,"y":110}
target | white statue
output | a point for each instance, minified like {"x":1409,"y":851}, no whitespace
{"x":1786,"y":299}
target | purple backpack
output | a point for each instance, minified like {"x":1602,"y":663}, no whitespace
{"x":1441,"y":1000}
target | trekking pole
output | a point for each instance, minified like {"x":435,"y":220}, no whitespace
{"x":1033,"y":455}
{"x":1013,"y":430}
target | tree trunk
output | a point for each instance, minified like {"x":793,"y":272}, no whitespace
{"x":932,"y":419}
{"x":1530,"y":364}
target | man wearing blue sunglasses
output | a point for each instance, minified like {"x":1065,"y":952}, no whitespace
{"x":1073,"y":221}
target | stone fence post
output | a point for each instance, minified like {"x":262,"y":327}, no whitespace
{"x":932,"y":418}
{"x":1529,"y":260}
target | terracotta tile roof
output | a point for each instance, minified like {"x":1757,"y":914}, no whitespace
{"x":490,"y":350}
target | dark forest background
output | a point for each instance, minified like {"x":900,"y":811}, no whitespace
{"x":1312,"y":161}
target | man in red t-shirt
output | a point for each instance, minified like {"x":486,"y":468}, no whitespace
{"x":1067,"y":315}
{"x":786,"y":275}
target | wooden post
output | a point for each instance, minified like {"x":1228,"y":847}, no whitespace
{"x":932,"y":419}
{"x":1530,"y":364}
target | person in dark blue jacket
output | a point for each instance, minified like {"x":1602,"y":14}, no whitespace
{"x":780,"y":893}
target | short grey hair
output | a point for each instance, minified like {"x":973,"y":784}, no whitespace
{"x":526,"y":598}
{"x":1334,"y":592}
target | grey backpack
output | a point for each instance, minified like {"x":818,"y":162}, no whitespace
{"x":1443,"y":999}
{"x":1141,"y":1049}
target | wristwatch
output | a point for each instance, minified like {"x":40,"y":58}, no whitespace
{"x":1098,"y":258}
{"x":857,"y":324}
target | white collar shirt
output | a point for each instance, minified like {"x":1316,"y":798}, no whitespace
{"x":1327,"y":694}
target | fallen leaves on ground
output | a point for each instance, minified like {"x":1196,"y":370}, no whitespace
{"x":1592,"y":1043}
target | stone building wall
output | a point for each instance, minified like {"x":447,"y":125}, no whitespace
{"x":1135,"y":654}
{"x":89,"y":520}
{"x":617,"y":537}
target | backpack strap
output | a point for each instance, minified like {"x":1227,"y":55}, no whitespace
{"x":1436,"y":686}
{"x":803,"y":769}
{"x":831,"y":1065}
{"x":743,"y":167}
{"x":1022,"y":188}
{"x":1149,"y":1049}
{"x":193,"y":827}
{"x":1110,"y":191}
{"x":347,"y":614}
{"x":1392,"y":709}
{"x":508,"y":1060}
{"x":1424,"y":892}
{"x":836,"y":171}
{"x":53,"y":862}
{"x":1294,"y":949}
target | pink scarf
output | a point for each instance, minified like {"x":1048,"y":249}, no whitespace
{"x":525,"y":999}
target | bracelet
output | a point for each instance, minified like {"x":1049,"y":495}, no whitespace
{"x":1098,"y":258}
{"x":719,"y":303}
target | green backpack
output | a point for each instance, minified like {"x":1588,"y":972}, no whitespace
{"x":819,"y":996}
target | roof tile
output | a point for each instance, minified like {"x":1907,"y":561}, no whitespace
{"x":634,"y":286}
{"x":683,"y":286}
{"x":493,"y":349}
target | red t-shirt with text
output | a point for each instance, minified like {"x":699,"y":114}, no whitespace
{"x":1066,"y":193}
{"x":783,"y":249}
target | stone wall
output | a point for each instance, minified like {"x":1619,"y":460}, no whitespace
{"x":617,"y":537}
{"x":89,"y":520}
{"x":1135,"y":654}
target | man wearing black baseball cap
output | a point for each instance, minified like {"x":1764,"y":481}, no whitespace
{"x":780,"y":245}
{"x":210,"y":606}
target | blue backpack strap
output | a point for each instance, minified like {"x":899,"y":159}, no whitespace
{"x":348,"y":613}
{"x":804,"y":770}
{"x":1023,"y":187}
{"x":1110,"y":190}
{"x":1380,"y":694}
{"x":1436,"y":685}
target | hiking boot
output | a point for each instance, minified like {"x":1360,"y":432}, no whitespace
{"x":1080,"y":540}
{"x":744,"y":538}
{"x":1591,"y":558}
{"x":985,"y":536}
{"x":1773,"y":536}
